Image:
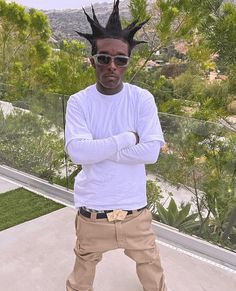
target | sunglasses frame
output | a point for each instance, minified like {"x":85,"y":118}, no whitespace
{"x":112,"y":58}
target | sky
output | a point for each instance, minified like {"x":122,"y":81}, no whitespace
{"x":58,"y":4}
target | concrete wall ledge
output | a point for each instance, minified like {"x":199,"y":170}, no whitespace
{"x":39,"y":185}
{"x":166,"y":233}
{"x":195,"y":245}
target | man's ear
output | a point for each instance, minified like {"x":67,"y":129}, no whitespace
{"x":92,"y":62}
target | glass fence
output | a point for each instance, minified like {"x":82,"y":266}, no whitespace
{"x":197,"y":170}
{"x":192,"y":186}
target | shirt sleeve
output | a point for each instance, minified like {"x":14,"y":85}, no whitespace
{"x":76,"y":126}
{"x":79,"y":143}
{"x":149,"y":127}
{"x":142,"y":153}
{"x":150,"y":136}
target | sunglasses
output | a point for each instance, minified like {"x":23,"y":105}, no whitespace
{"x":104,"y":59}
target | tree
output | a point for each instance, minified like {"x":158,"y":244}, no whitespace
{"x":175,"y":20}
{"x":222,"y":34}
{"x":138,"y":9}
{"x":209,"y":100}
{"x":67,"y":71}
{"x":23,"y":43}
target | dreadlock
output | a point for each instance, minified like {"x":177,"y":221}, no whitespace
{"x":113,"y":29}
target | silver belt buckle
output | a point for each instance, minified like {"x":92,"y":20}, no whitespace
{"x":117,"y":214}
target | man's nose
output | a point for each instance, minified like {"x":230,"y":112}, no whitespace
{"x":112,"y":65}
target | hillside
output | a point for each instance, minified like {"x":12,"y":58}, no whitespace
{"x":65,"y":22}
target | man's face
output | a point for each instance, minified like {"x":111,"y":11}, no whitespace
{"x":109,"y":77}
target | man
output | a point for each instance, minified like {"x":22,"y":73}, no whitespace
{"x":112,"y":130}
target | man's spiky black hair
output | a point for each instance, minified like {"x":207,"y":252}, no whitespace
{"x":113,"y":29}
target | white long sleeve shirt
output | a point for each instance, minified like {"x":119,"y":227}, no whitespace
{"x":99,"y":136}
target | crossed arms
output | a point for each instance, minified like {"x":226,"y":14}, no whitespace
{"x":122,"y":148}
{"x":128,"y":147}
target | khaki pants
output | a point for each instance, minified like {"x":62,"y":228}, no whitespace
{"x":134,"y":234}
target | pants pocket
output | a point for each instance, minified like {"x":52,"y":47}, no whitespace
{"x":77,"y":224}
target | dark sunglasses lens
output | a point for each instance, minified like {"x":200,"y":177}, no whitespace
{"x":104,"y":60}
{"x":120,"y":61}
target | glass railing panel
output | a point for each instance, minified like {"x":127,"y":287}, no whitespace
{"x":198,"y":166}
{"x":32,"y":132}
{"x":193,"y":184}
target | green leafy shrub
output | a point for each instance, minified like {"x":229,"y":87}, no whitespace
{"x":180,"y":219}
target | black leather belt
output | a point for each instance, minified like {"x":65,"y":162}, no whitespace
{"x":100,"y":215}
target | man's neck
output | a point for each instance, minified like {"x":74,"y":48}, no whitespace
{"x":109,"y":91}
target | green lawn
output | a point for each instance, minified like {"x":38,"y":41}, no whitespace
{"x":21,"y":205}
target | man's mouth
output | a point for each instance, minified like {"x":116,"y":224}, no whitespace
{"x":111,"y":76}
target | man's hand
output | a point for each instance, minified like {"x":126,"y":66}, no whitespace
{"x":137,"y":137}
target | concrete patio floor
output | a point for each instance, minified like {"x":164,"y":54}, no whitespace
{"x":38,"y":255}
